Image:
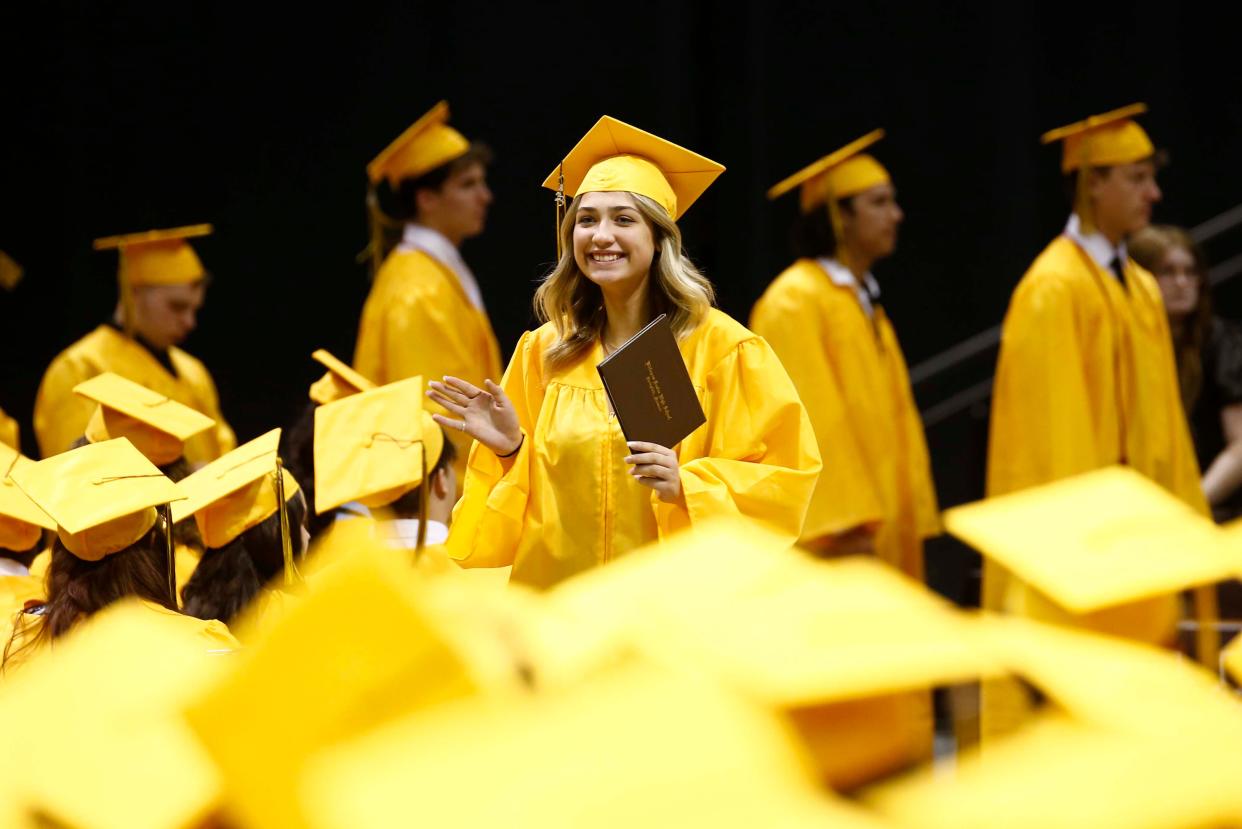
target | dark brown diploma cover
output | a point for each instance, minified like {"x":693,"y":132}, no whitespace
{"x":650,"y":389}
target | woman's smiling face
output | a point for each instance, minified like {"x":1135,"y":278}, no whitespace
{"x":613,"y":243}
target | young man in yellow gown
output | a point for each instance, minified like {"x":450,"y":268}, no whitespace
{"x":823,"y":319}
{"x":162,"y":288}
{"x":1086,"y":377}
{"x":425,"y":314}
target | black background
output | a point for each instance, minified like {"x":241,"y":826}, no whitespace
{"x":118,"y":118}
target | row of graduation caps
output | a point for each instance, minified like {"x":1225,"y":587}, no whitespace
{"x":677,"y":179}
{"x":795,"y":634}
{"x":719,"y":679}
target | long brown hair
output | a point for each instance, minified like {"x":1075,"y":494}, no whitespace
{"x":230,"y":578}
{"x":77,"y":589}
{"x":575,"y":305}
{"x":1148,"y":247}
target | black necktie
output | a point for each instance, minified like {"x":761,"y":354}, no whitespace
{"x":1115,"y":267}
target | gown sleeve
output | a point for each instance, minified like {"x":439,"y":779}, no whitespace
{"x":60,"y":416}
{"x":488,"y":520}
{"x":1042,"y":424}
{"x":413,"y":339}
{"x":846,"y":495}
{"x":755,"y":457}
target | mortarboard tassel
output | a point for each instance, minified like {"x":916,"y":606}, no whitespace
{"x":378,"y":222}
{"x":170,"y":553}
{"x":560,"y":207}
{"x":838,"y":232}
{"x":421,"y":541}
{"x":292,"y":575}
{"x":127,"y":296}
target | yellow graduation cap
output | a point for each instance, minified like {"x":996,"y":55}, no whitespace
{"x":371,"y":446}
{"x":1093,"y":678}
{"x":427,"y":144}
{"x":21,"y":521}
{"x":1103,"y":140}
{"x":338,"y":381}
{"x":102,"y":496}
{"x":1100,"y":141}
{"x":616,"y":157}
{"x":1060,"y":773}
{"x":838,"y":175}
{"x":832,"y":630}
{"x":848,"y":649}
{"x":158,"y":257}
{"x":112,"y":689}
{"x":312,"y":680}
{"x":156,"y":425}
{"x":664,"y":749}
{"x":1097,"y":540}
{"x":237,"y":491}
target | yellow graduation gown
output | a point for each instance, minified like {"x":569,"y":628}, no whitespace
{"x":418,"y":320}
{"x":60,"y":416}
{"x":209,"y":634}
{"x":850,"y":372}
{"x":1085,"y":379}
{"x":9,"y":433}
{"x":567,"y":502}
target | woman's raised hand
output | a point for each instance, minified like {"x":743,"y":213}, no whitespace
{"x":486,"y":414}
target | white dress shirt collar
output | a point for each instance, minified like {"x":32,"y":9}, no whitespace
{"x":9,"y":567}
{"x":868,"y":292}
{"x":1095,"y":244}
{"x":403,"y":532}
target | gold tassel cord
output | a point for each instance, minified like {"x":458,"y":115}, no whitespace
{"x":400,"y":443}
{"x":560,"y":208}
{"x":421,"y":541}
{"x":292,"y":575}
{"x":127,"y":297}
{"x":1082,"y":189}
{"x":838,"y":232}
{"x":170,"y":553}
{"x":378,"y":224}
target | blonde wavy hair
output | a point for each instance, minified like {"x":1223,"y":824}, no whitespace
{"x":575,"y":304}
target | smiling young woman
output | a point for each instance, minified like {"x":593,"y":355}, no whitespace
{"x":552,"y":487}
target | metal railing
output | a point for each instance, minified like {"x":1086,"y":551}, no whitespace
{"x":984,"y":341}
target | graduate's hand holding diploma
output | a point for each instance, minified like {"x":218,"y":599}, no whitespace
{"x":655,"y":466}
{"x":486,"y":414}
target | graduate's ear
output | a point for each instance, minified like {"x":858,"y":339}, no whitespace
{"x":441,"y":483}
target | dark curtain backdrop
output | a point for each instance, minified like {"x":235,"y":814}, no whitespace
{"x":118,"y":118}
